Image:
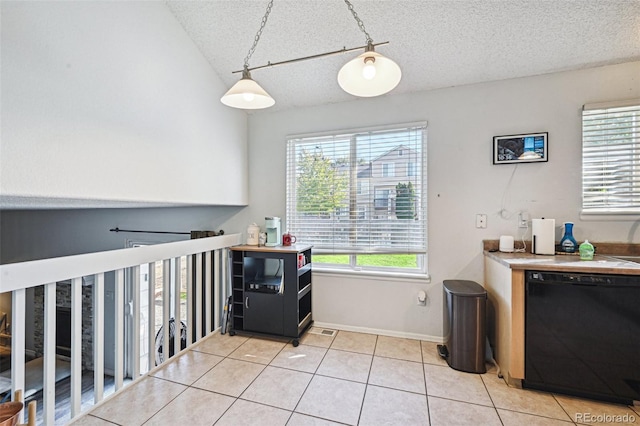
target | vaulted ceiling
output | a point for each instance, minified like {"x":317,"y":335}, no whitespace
{"x":437,"y":43}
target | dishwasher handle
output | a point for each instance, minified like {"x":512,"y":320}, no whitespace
{"x":569,"y":278}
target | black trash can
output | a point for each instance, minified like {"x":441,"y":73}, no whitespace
{"x":465,"y":325}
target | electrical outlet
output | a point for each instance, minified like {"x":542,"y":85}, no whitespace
{"x":522,"y":220}
{"x":481,"y":221}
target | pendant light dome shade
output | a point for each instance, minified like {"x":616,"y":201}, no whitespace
{"x":370,"y":74}
{"x":247,"y":94}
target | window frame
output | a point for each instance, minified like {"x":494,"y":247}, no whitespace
{"x":421,"y":269}
{"x":593,"y":153}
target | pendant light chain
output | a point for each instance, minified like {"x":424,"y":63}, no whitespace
{"x":258,"y":34}
{"x":359,"y":21}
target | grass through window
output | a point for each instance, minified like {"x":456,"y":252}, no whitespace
{"x":378,"y":260}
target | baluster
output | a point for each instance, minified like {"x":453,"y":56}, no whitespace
{"x":216,"y":289}
{"x":198,"y":296}
{"x":176,"y":305}
{"x":135,"y":318}
{"x":166,"y":306}
{"x":18,"y":339}
{"x":119,"y":330}
{"x":98,"y":338}
{"x":76,"y":346}
{"x":208,"y":287}
{"x":190,"y":260}
{"x":49,"y":362}
{"x":152,"y":315}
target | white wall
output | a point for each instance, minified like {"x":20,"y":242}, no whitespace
{"x":111,"y":104}
{"x":461,"y":180}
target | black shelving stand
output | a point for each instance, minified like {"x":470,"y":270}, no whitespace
{"x":272,"y":290}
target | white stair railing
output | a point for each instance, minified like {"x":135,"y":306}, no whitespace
{"x":209,"y":255}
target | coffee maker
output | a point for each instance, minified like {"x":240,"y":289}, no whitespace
{"x":273,"y":227}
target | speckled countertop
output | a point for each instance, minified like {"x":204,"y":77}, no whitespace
{"x":602,"y":264}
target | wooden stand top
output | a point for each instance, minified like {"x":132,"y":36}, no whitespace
{"x":293,"y":248}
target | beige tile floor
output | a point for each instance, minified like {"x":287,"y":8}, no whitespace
{"x":352,"y":378}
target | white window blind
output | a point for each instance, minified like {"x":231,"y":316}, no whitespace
{"x":611,"y":157}
{"x":333,"y":182}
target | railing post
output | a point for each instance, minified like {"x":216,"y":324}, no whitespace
{"x":119,"y":330}
{"x":135,"y":315}
{"x":176,"y":306}
{"x":208,"y":287}
{"x":18,"y":338}
{"x":152,"y":315}
{"x":166,"y":306}
{"x":216,"y":288}
{"x":76,"y":346}
{"x":198,"y":312}
{"x":98,"y":338}
{"x":49,"y":362}
{"x":190,"y":311}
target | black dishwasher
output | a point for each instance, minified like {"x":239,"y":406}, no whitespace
{"x":582,"y":335}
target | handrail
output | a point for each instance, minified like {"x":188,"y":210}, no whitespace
{"x":16,"y":276}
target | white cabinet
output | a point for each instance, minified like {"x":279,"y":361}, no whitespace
{"x":505,"y":288}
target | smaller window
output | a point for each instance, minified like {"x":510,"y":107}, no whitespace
{"x":388,"y":170}
{"x":381,"y":200}
{"x":362,"y":212}
{"x":363,"y":187}
{"x":411,"y":169}
{"x":611,"y":158}
{"x":342,"y":211}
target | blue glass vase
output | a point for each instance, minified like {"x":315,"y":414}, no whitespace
{"x":568,"y":243}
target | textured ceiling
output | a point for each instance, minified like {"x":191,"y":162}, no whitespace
{"x":437,"y":43}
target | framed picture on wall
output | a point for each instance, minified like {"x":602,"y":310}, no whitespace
{"x":525,"y":148}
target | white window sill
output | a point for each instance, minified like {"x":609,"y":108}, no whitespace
{"x":602,"y":216}
{"x":375,"y":275}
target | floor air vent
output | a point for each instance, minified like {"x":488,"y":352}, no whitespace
{"x":323,"y":331}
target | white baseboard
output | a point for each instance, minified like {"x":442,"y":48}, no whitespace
{"x":390,"y":333}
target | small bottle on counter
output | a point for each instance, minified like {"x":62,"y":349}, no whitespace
{"x":568,"y":243}
{"x":586,"y":250}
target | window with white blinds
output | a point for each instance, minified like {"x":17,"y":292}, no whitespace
{"x":360,"y":197}
{"x":611,"y":158}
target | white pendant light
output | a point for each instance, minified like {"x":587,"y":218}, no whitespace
{"x":369,"y":74}
{"x":247,"y":94}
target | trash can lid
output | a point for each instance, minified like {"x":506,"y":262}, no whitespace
{"x":464,"y":288}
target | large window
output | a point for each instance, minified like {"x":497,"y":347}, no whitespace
{"x":611,"y":158}
{"x":344,"y":197}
